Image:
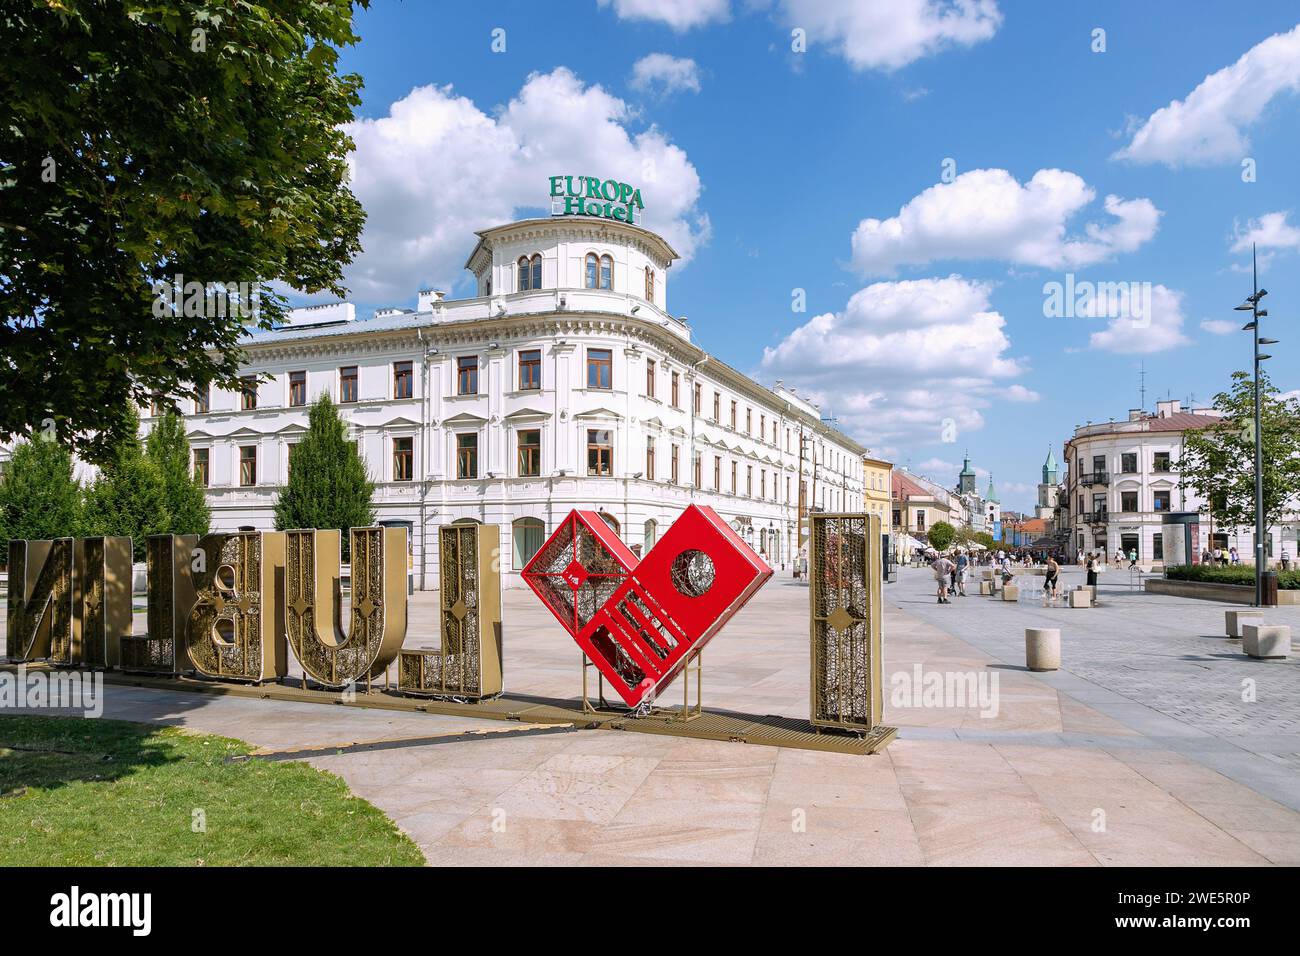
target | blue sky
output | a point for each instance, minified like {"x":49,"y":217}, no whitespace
{"x":823,"y":170}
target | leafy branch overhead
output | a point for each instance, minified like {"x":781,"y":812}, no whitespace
{"x":200,"y":140}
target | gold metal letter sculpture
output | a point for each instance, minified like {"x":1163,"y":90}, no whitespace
{"x":171,"y":596}
{"x":101,"y":603}
{"x":844,"y":575}
{"x":469,"y":662}
{"x":314,"y":603}
{"x":40,"y":598}
{"x":235,"y":628}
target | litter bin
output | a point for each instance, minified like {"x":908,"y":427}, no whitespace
{"x":1268,"y":589}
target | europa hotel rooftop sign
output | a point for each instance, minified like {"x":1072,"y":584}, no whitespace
{"x":589,"y":196}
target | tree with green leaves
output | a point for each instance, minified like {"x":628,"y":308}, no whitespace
{"x":941,"y":535}
{"x":129,"y":497}
{"x":169,"y":449}
{"x":328,"y":486}
{"x":1218,"y":463}
{"x":151,"y":156}
{"x":40,"y":497}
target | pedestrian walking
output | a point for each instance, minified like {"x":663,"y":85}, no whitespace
{"x":942,"y":569}
{"x":1050,"y":580}
{"x":963,"y":564}
{"x":1092,"y":571}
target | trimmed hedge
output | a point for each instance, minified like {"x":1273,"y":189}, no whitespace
{"x":1238,"y":574}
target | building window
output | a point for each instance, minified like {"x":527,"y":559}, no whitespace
{"x":202,"y":402}
{"x":650,"y":533}
{"x":717,"y":472}
{"x":1128,"y":462}
{"x":600,"y":452}
{"x":248,"y":465}
{"x":762,"y":428}
{"x":749,"y":481}
{"x":675,"y":391}
{"x":1161,"y":501}
{"x":530,"y":453}
{"x":403,"y":380}
{"x":600,"y":368}
{"x":201,"y":474}
{"x":734,"y":406}
{"x":717,"y":406}
{"x":697,"y":471}
{"x":403,"y":459}
{"x":467,"y":375}
{"x":527,"y":536}
{"x":649,"y":378}
{"x":650,"y":458}
{"x":290,"y":449}
{"x":649,"y":284}
{"x":1162,"y":462}
{"x":297,"y":388}
{"x":749,"y":421}
{"x":248,"y":392}
{"x":1099,"y":464}
{"x":673,"y":457}
{"x":600,"y":272}
{"x":467,"y":455}
{"x":762,"y":482}
{"x":530,"y":369}
{"x":1128,"y":501}
{"x":733,"y":477}
{"x":347,"y":384}
{"x":698,"y":399}
{"x":1158,"y":548}
{"x":530,"y":273}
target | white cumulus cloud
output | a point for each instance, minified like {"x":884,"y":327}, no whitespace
{"x":889,"y":34}
{"x":438,"y":167}
{"x":1151,"y":326}
{"x":662,"y":74}
{"x":1209,"y":126}
{"x":680,"y":15}
{"x":987,"y":214}
{"x":1269,"y":231}
{"x":1219,"y":326}
{"x":902,"y":358}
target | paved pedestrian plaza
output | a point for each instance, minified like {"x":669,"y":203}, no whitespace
{"x":1157,"y":743}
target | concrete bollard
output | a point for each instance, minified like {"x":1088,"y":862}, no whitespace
{"x":1233,"y":621}
{"x":1266,"y":641}
{"x":1010,"y":593}
{"x":1043,"y":648}
{"x":987,"y":574}
{"x":1080,"y":598}
{"x":986,"y":587}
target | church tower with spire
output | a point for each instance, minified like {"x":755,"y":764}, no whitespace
{"x":1048,"y":489}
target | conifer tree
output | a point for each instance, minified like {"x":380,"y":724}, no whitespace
{"x":169,"y":449}
{"x":39,"y":496}
{"x":328,"y":485}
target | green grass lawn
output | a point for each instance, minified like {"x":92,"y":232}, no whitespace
{"x":78,"y":792}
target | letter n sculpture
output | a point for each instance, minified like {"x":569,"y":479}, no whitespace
{"x":641,"y":623}
{"x":845,"y":579}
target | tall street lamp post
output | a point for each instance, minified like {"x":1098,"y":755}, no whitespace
{"x":1251,"y":305}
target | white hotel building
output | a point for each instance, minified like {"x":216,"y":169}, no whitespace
{"x":563,"y":383}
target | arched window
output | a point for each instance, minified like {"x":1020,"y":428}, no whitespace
{"x":649,"y":284}
{"x":529,"y":272}
{"x":611,"y":521}
{"x":651,"y":534}
{"x":592,"y":269}
{"x":606,"y":272}
{"x":527,"y":535}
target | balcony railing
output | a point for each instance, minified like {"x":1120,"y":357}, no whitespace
{"x":1095,"y":478}
{"x":1094,"y":517}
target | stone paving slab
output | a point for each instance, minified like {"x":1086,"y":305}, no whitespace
{"x":1079,"y":767}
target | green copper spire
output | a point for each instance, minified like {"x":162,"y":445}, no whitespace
{"x":1049,"y":468}
{"x":991,"y":494}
